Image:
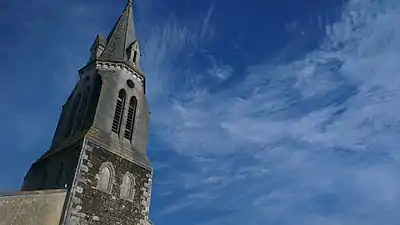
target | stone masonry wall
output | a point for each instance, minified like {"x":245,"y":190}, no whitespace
{"x":32,"y":208}
{"x":89,"y":205}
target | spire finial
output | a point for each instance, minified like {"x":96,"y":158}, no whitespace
{"x":130,"y":2}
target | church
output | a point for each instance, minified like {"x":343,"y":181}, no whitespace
{"x":96,"y":170}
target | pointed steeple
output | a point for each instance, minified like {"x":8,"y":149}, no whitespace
{"x":120,"y":37}
{"x":97,"y":48}
{"x":99,"y":41}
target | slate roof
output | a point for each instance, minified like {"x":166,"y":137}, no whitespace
{"x":121,"y":36}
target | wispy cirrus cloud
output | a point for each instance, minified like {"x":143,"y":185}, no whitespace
{"x":307,"y":141}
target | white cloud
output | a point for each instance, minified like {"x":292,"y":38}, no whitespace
{"x":314,"y":141}
{"x":219,"y":70}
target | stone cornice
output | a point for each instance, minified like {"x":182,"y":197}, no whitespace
{"x":120,"y":66}
{"x":116,"y":66}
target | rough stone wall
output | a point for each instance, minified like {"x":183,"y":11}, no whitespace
{"x":32,"y":208}
{"x":105,"y":140}
{"x":89,"y":205}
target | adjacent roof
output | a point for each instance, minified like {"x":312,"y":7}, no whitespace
{"x":99,"y":41}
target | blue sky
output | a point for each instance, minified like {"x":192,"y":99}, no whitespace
{"x":263,"y":112}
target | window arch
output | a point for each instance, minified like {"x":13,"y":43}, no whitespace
{"x":127,"y":187}
{"x":71,"y":117}
{"x":106,"y":177}
{"x":119,"y":109}
{"x":130,"y":120}
{"x":134,"y":56}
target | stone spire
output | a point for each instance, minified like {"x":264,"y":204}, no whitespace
{"x":121,"y":37}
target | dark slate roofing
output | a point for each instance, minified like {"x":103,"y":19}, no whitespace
{"x":120,"y":37}
{"x":100,"y":40}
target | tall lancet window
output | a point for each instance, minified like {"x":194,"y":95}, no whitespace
{"x":71,"y":117}
{"x":134,"y":56}
{"x":119,"y":109}
{"x":130,"y":120}
{"x":106,"y":177}
{"x":127,"y":187}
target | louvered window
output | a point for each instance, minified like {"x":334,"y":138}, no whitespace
{"x":119,"y":109}
{"x":134,"y":56}
{"x":130,"y":120}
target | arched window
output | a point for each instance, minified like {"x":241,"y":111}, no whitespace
{"x":130,"y":120}
{"x":82,"y":110}
{"x":127,"y":187}
{"x":106,"y":177}
{"x":134,"y":56}
{"x":71,"y":117}
{"x":119,"y":109}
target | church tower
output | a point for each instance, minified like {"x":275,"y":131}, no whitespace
{"x":98,"y":153}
